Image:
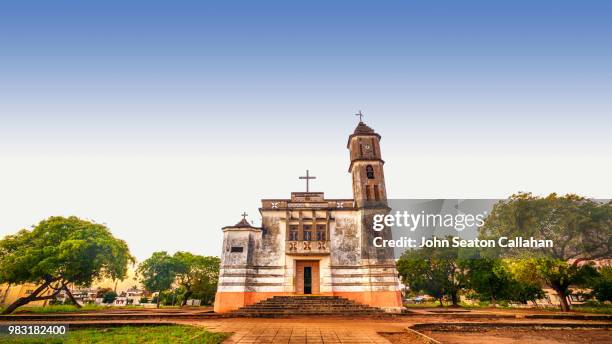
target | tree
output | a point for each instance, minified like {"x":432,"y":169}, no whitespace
{"x":101,"y":291}
{"x":524,"y":291}
{"x":418,"y":274}
{"x":602,"y":284}
{"x":159,"y":272}
{"x":109,"y":297}
{"x":557,"y":274}
{"x":526,"y":284}
{"x":497,"y":279}
{"x":58,"y":252}
{"x":489,"y":278}
{"x":197,"y":275}
{"x":434,"y":271}
{"x":581,"y":230}
{"x":205,"y":287}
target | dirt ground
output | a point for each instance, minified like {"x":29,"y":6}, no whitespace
{"x":354,"y":330}
{"x":401,"y":338}
{"x":507,"y":336}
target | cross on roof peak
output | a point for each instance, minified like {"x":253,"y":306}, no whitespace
{"x":244,"y":215}
{"x":307,"y":177}
{"x":360,"y":116}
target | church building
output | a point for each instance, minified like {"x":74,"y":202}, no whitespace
{"x":308,"y":244}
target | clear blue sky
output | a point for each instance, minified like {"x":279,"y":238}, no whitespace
{"x":140,"y":113}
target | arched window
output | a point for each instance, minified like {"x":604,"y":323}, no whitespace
{"x":370,"y":172}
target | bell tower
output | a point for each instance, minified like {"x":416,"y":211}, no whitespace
{"x":366,"y":167}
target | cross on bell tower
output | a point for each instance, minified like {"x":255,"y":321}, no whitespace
{"x":244,"y":215}
{"x":308,"y":177}
{"x":360,"y":116}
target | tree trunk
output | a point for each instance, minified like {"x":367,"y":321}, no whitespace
{"x":32,"y":297}
{"x":493,"y":301}
{"x":70,"y":296}
{"x":185,"y":297}
{"x":441,"y":303}
{"x":8,"y":287}
{"x":455,"y":299}
{"x":565,"y":307}
{"x":158,"y":298}
{"x":18,"y":303}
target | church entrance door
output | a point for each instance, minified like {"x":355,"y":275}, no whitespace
{"x":307,"y":277}
{"x":307,"y":280}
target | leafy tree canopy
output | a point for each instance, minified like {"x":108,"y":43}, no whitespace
{"x":557,"y":274}
{"x":580,"y":228}
{"x":434,"y":271}
{"x":495,"y":279}
{"x":489,"y":278}
{"x":158,"y":272}
{"x":197,"y":275}
{"x":602,"y":284}
{"x":61,"y":251}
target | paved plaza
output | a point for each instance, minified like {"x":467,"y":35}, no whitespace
{"x":333,"y":330}
{"x":355,"y":330}
{"x":358,"y":331}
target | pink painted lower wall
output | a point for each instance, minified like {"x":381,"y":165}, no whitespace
{"x":229,"y":301}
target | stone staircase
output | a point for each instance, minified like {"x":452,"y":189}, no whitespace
{"x":279,"y":306}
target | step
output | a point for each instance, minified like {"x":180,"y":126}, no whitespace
{"x":279,"y":306}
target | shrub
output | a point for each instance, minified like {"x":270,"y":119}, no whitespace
{"x":109,"y":297}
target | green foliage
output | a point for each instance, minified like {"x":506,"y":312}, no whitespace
{"x":76,"y":250}
{"x":559,"y":273}
{"x":555,"y":273}
{"x":101,"y":291}
{"x":171,"y":297}
{"x":494,"y":280}
{"x":60,"y":308}
{"x":524,"y":291}
{"x":602,"y":284}
{"x":195,"y":276}
{"x":489,"y":278}
{"x":158,"y":272}
{"x":134,"y":334}
{"x":434,"y":271}
{"x":109,"y":297}
{"x":61,"y":251}
{"x":198,"y":276}
{"x":579,"y":228}
{"x":598,"y":308}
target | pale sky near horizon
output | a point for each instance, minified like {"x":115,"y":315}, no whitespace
{"x":167,"y":119}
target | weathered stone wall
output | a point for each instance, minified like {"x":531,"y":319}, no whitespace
{"x":369,"y":252}
{"x":238,"y":238}
{"x":248,"y":271}
{"x":345,"y":239}
{"x":260,"y":268}
{"x":272,"y":250}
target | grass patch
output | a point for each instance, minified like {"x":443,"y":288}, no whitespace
{"x":595,"y":309}
{"x":59,"y":309}
{"x":601,"y":309}
{"x":130,"y":334}
{"x":422,"y":305}
{"x":72,"y":308}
